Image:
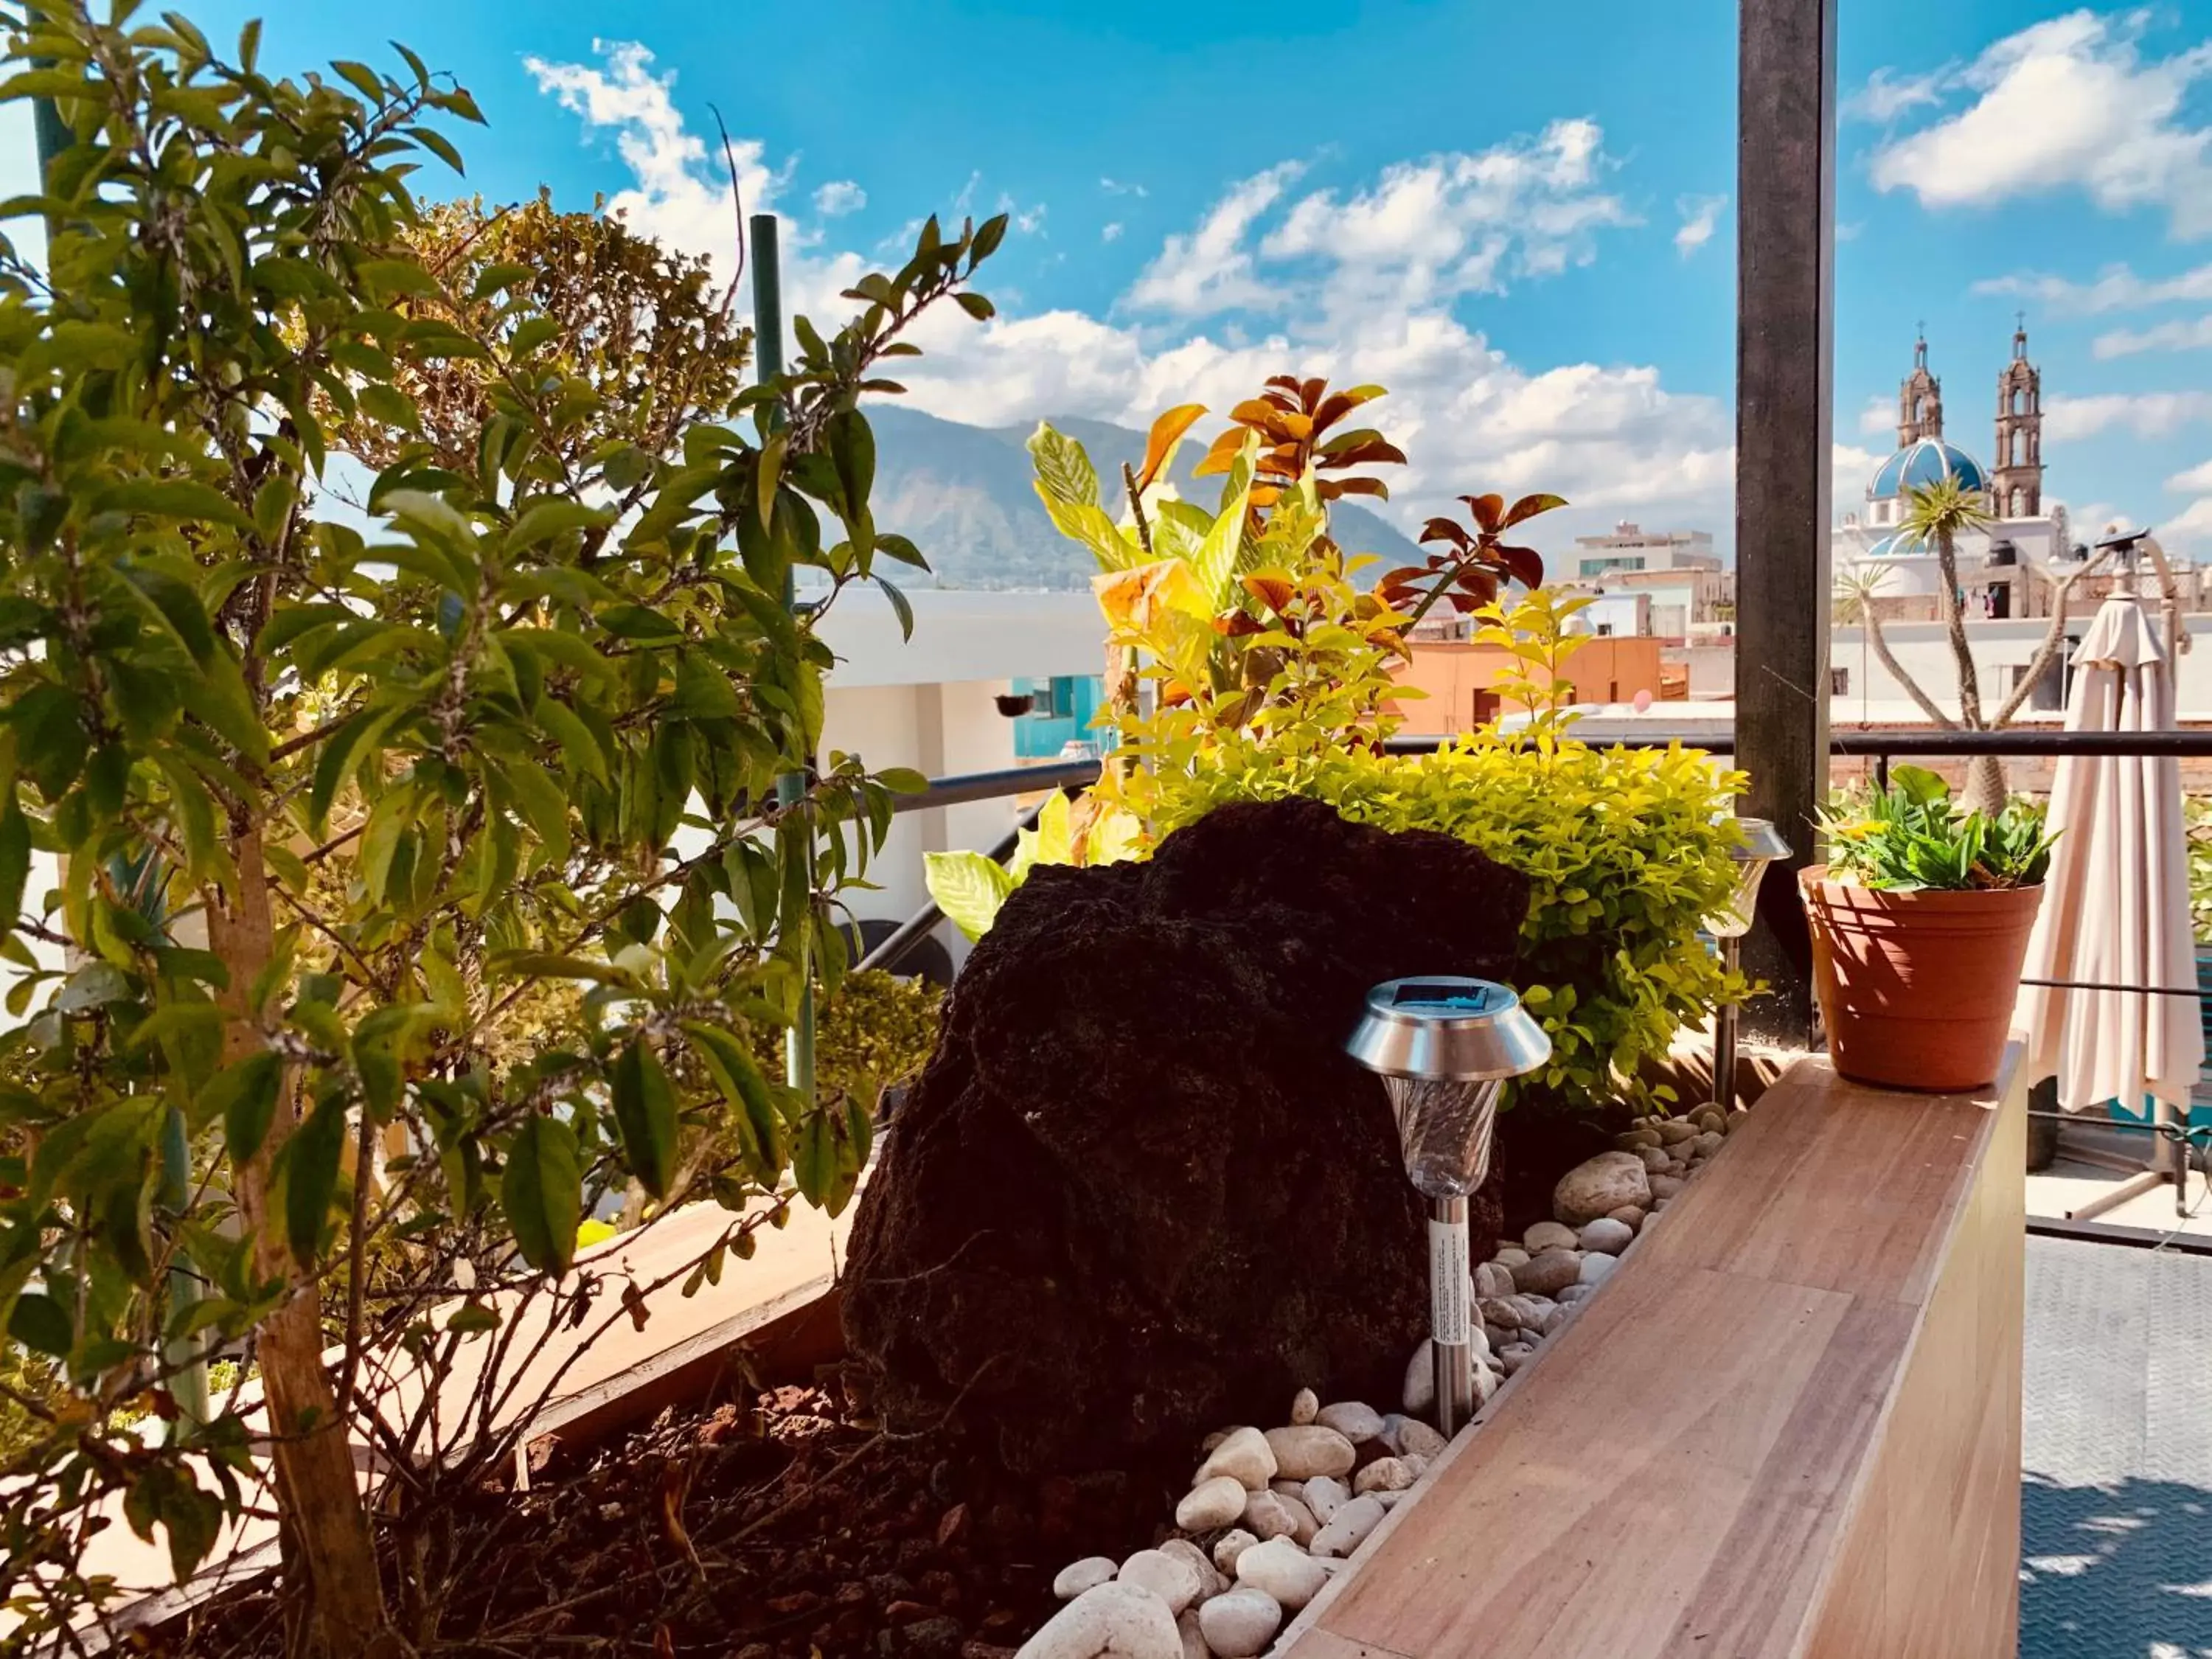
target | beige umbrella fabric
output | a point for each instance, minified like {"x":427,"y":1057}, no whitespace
{"x":2116,"y":907}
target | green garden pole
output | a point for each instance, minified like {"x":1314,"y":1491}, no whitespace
{"x":767,"y":350}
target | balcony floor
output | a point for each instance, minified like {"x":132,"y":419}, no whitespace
{"x":2116,"y":1453}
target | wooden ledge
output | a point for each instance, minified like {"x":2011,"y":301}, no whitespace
{"x":1788,"y":1426}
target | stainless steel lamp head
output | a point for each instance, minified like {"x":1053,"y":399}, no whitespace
{"x":1445,"y":1028}
{"x":1760,"y":845}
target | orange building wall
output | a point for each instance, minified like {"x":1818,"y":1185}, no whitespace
{"x":1452,"y":672}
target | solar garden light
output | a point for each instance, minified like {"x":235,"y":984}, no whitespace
{"x":1758,"y":845}
{"x":1444,"y":1046}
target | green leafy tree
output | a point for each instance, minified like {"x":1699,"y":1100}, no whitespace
{"x":513,"y":732}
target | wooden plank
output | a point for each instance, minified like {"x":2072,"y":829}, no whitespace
{"x":1788,"y":1426}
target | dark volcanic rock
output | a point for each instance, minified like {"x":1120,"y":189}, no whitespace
{"x":1140,"y":1191}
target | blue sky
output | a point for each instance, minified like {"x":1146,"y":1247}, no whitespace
{"x":1518,"y":218}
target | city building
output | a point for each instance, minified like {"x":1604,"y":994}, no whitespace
{"x":1665,"y":584}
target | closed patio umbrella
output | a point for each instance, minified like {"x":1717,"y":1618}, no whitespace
{"x":2116,"y":907}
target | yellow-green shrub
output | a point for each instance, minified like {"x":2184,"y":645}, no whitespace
{"x":1626,"y":852}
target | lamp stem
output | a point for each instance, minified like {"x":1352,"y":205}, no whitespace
{"x":1724,"y":1032}
{"x":1451,"y":1333}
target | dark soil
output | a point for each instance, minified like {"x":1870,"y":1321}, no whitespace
{"x":789,"y":1526}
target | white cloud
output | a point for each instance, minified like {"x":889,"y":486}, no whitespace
{"x":1111,"y":233}
{"x":1888,"y":95}
{"x":2196,"y":481}
{"x":1356,"y":286}
{"x":1700,"y":214}
{"x":2116,"y":288}
{"x":2190,"y":530}
{"x":1879,"y":413}
{"x":1211,"y":269}
{"x":2146,"y":413}
{"x":1116,"y":187}
{"x":838,"y":197}
{"x":2071,"y":102}
{"x":2178,"y":336}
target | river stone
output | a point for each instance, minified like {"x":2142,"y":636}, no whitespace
{"x":1597,"y":1266}
{"x":1674,"y":1129}
{"x":1664,"y":1187}
{"x":1510,"y":1257}
{"x":1354,"y":1420}
{"x":1268,"y":1514}
{"x":1419,"y":1395}
{"x":1629,"y":1216}
{"x":1491,"y":1279}
{"x":1304,"y":1452}
{"x":1416,"y":1439}
{"x":1607,"y":1236}
{"x":1655,"y":1159}
{"x":1244,"y":1455}
{"x":1280,"y":1569}
{"x":1305,"y":1405}
{"x":1192,"y":1634}
{"x":1074,"y":1247}
{"x":1544,"y":1235}
{"x":1515,"y":1355}
{"x":1211,"y":1503}
{"x":1383,"y":1474}
{"x":1231,"y":1545}
{"x":1353,"y":1522}
{"x":1709,"y":1143}
{"x":1604,"y":1183}
{"x":1112,"y":1622}
{"x":1210,"y":1580}
{"x":1088,"y":1574}
{"x":1241,"y":1624}
{"x":1325,"y":1496}
{"x":1554,"y":1270}
{"x":1170,"y":1577}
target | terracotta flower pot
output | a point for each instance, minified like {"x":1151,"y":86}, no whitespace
{"x":1916,"y":989}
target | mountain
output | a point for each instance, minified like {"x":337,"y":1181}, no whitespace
{"x":964,"y":494}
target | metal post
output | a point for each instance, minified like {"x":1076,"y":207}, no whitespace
{"x":768,"y":352}
{"x":1451,"y":1319}
{"x":1725,"y":1023}
{"x":1785,"y":311}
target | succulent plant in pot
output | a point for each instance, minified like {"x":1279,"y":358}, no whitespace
{"x":1920,"y":922}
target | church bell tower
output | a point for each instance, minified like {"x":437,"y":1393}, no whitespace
{"x":2016,"y":476}
{"x":1919,"y":401}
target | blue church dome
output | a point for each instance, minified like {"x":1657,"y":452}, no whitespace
{"x":1919,"y":464}
{"x":1898,"y":545}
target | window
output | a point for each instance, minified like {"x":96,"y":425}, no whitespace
{"x":2019,"y":400}
{"x":1839,"y":682}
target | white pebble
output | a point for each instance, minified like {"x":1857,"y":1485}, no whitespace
{"x":1282,"y":1570}
{"x":1325,"y":1495}
{"x":1596,"y":1268}
{"x":1304,"y":1405}
{"x":1574,"y":1293}
{"x":1491,"y":1279}
{"x":1418,"y":1439}
{"x":1383,"y":1474}
{"x":1288,"y":1489}
{"x":1349,"y":1530}
{"x":1547,"y":1236}
{"x":1268,"y":1516}
{"x":1421,"y":1391}
{"x":1170,"y":1577}
{"x":1088,"y":1574}
{"x":1210,"y":1580}
{"x":1241,"y":1624}
{"x":1515,"y":1355}
{"x":1212,"y":1502}
{"x":1355,"y":1421}
{"x":1192,"y":1634}
{"x":1607,"y":1236}
{"x":1116,"y":1620}
{"x":1231,"y":1545}
{"x":1245,"y":1456}
{"x":1510,"y":1257}
{"x":1303,"y":1452}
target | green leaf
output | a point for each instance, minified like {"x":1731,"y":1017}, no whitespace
{"x":14,"y":862}
{"x":244,"y":1096}
{"x":173,"y":498}
{"x":968,"y":888}
{"x":644,"y":1115}
{"x":542,"y":1192}
{"x":1064,"y":472}
{"x":310,"y":1159}
{"x":760,"y":1127}
{"x":335,"y":764}
{"x":814,"y":1160}
{"x":542,"y":520}
{"x":42,"y":1324}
